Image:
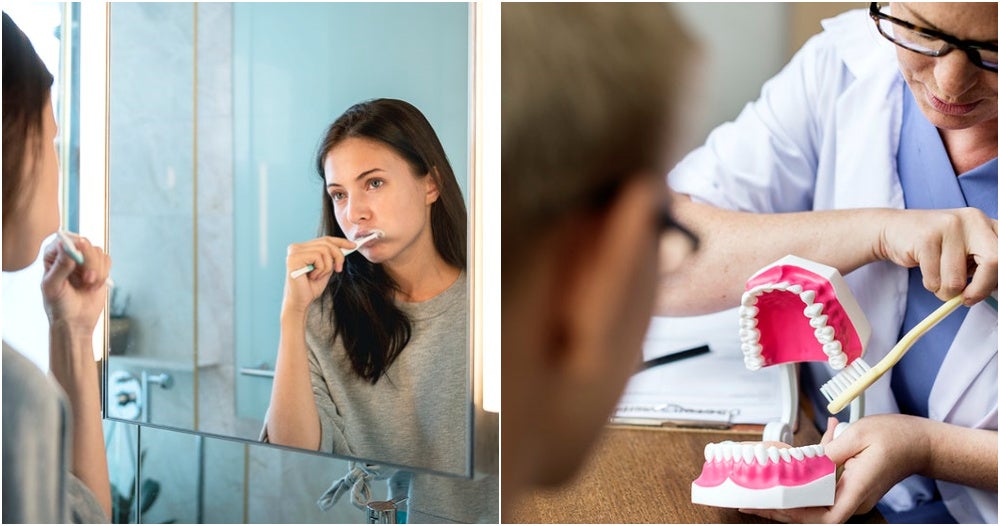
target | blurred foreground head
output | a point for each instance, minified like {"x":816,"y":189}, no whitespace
{"x":589,"y":98}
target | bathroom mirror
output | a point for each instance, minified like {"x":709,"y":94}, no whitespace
{"x":215,"y":115}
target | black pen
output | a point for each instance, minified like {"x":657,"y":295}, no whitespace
{"x":673,"y":357}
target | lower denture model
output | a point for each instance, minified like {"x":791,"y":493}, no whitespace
{"x":750,"y":475}
{"x":794,"y":310}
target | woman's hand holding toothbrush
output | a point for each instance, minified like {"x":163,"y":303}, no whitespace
{"x":325,"y":255}
{"x":73,"y":286}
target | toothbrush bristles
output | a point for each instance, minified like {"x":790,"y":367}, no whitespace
{"x":844,"y":379}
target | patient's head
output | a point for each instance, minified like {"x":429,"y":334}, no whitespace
{"x":587,"y":102}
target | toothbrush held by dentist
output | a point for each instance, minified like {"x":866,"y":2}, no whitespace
{"x":360,"y":242}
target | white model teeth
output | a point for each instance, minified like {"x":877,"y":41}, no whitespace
{"x":819,"y":321}
{"x":762,"y":455}
{"x":750,"y":332}
{"x":813,"y":310}
{"x":753,"y":363}
{"x":750,"y":349}
{"x":808,"y":297}
{"x":824,"y":335}
{"x":838,"y":362}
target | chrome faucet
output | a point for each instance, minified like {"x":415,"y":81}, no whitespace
{"x":164,"y":380}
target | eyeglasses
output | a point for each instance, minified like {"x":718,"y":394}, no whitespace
{"x":676,"y":242}
{"x":930,"y":42}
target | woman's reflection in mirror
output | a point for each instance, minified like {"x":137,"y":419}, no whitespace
{"x":373,"y":358}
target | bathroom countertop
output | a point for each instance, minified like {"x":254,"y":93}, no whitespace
{"x":644,"y":475}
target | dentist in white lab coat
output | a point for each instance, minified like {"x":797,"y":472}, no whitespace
{"x":842,"y":160}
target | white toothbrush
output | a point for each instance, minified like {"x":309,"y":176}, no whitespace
{"x":375,"y":234}
{"x":69,"y":247}
{"x":858,"y":376}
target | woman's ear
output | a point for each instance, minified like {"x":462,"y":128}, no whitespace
{"x":431,"y":184}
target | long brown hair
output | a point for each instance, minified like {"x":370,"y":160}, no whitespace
{"x":27,"y":86}
{"x":373,"y":328}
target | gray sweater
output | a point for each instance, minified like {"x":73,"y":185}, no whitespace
{"x":418,"y":414}
{"x":37,"y":484}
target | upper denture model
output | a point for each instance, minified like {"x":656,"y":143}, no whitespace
{"x":796,"y":310}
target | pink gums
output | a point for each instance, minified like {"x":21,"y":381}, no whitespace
{"x":785,"y":333}
{"x":756,"y":476}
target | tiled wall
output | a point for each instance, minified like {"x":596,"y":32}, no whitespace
{"x":154,"y":187}
{"x":158,"y":198}
{"x":239,"y":482}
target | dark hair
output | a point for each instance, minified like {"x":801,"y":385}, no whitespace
{"x":373,"y":328}
{"x":26,"y":89}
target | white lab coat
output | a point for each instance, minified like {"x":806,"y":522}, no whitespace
{"x":824,"y":135}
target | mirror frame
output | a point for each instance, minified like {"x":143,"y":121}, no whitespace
{"x":483,"y":371}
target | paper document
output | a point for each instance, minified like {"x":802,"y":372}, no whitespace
{"x":712,"y":388}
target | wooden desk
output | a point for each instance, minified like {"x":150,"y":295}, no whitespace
{"x":643,"y":475}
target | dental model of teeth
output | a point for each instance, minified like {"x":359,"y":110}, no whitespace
{"x":771,"y":327}
{"x":752,"y":475}
{"x":794,"y":310}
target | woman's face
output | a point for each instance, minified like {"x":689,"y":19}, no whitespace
{"x":373,"y":188}
{"x":38,"y":209}
{"x":953,"y":93}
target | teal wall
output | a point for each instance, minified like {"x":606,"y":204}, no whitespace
{"x":296,"y":67}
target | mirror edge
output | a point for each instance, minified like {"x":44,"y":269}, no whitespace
{"x":95,"y":48}
{"x":485,"y":435}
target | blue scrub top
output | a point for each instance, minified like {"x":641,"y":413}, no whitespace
{"x":930,"y":182}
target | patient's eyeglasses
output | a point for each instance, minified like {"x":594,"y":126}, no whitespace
{"x":930,"y":42}
{"x":676,"y":242}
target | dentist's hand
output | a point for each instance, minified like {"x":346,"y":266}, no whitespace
{"x":874,"y":459}
{"x":325,"y":255}
{"x":74,"y":295}
{"x":948,"y":246}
